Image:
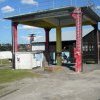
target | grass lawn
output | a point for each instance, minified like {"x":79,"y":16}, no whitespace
{"x":5,"y":62}
{"x":8,"y":75}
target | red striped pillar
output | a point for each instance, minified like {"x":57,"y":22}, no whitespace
{"x":77,"y":15}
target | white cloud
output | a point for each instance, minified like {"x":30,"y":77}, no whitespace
{"x":97,"y":7}
{"x":33,"y":2}
{"x":7,"y":9}
{"x":27,"y":27}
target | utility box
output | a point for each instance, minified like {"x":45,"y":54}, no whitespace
{"x":25,"y":60}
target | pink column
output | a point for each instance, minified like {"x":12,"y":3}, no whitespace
{"x":47,"y":30}
{"x":14,"y":42}
{"x":77,"y":15}
{"x":14,"y":37}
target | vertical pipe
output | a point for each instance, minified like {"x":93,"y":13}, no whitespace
{"x":58,"y":46}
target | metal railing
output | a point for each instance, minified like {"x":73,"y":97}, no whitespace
{"x":41,"y":5}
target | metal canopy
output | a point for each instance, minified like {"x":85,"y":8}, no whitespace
{"x":56,"y":17}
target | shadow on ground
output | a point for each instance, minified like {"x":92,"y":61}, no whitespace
{"x":70,"y":66}
{"x":85,"y":67}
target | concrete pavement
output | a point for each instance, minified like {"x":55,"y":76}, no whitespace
{"x":62,"y":85}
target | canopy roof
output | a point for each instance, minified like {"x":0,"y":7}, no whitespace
{"x":55,"y":17}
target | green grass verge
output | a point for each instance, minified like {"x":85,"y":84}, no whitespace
{"x":5,"y":62}
{"x":8,"y":75}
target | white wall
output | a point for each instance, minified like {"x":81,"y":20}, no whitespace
{"x":38,"y":47}
{"x":26,"y":60}
{"x":5,"y":55}
{"x":23,"y":60}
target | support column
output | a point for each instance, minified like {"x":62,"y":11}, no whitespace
{"x":58,"y":46}
{"x":47,"y":53}
{"x":14,"y":42}
{"x":96,"y":40}
{"x":77,"y":15}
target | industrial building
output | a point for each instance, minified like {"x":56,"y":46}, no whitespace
{"x":90,"y":48}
